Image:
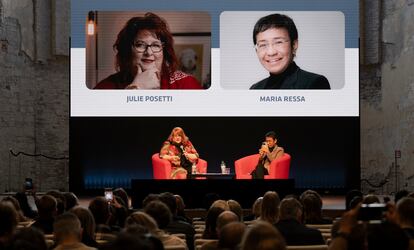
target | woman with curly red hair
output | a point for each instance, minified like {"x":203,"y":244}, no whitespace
{"x":179,"y":150}
{"x":145,"y":58}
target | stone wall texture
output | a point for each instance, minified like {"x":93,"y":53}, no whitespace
{"x":34,"y":93}
{"x":387,"y":97}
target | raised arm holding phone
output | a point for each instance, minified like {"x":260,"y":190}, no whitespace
{"x":268,"y":152}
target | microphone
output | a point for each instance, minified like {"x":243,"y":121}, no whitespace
{"x":183,"y":154}
{"x":182,"y":149}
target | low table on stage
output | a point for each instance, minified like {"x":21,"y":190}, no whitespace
{"x":212,"y":176}
{"x":194,"y":191}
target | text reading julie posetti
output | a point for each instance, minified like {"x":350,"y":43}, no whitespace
{"x":148,"y":98}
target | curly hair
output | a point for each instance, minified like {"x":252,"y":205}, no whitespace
{"x":126,"y":37}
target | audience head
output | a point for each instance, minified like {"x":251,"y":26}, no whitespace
{"x":169,"y":200}
{"x":399,"y":195}
{"x":235,"y":207}
{"x":141,"y":219}
{"x":231,"y":235}
{"x":225,"y":218}
{"x":257,"y":207}
{"x":262,"y":236}
{"x":312,"y":207}
{"x":86,"y":219}
{"x":221,"y":204}
{"x":71,"y":200}
{"x":210,"y":231}
{"x":149,"y":198}
{"x":370,"y":199}
{"x":100,"y":210}
{"x":67,"y":226}
{"x":180,"y":203}
{"x":8,"y":220}
{"x":60,"y":199}
{"x":405,"y":212}
{"x":29,"y":238}
{"x":47,"y":206}
{"x":160,"y":212}
{"x":355,"y":202}
{"x":290,"y":208}
{"x":15,"y":203}
{"x":270,"y":207}
{"x":350,"y":196}
{"x":120,"y":192}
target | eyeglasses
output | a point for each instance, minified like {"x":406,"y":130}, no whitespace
{"x":142,"y":47}
{"x":263,"y":46}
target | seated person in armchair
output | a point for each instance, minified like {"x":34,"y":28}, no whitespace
{"x":179,"y":150}
{"x":268,"y":152}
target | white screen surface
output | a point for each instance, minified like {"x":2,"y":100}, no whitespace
{"x":234,"y":68}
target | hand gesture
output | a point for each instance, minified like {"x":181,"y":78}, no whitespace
{"x":261,"y":152}
{"x":391,"y":213}
{"x":349,"y":220}
{"x":115,"y":203}
{"x":148,"y":79}
{"x":264,"y":149}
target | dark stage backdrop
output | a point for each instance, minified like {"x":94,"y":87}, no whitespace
{"x":109,"y":152}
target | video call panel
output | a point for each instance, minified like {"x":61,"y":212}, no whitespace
{"x":216,"y":61}
{"x":216,"y":88}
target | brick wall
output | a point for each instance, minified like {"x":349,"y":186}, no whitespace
{"x":387,"y":94}
{"x":34,"y":96}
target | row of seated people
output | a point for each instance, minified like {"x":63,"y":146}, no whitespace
{"x":178,"y":156}
{"x":162,"y":224}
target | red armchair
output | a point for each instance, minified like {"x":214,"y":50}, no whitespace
{"x":162,"y":168}
{"x":278,"y":169}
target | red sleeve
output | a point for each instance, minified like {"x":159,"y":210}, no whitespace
{"x":190,"y":83}
{"x":180,"y":80}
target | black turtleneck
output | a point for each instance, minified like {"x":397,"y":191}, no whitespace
{"x":275,"y":81}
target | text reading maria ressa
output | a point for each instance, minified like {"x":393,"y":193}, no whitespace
{"x":282,"y":99}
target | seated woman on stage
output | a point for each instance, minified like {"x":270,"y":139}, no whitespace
{"x":180,"y":152}
{"x":145,"y":58}
{"x":269,"y":152}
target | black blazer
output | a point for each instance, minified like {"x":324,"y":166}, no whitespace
{"x":297,"y":79}
{"x":297,"y":234}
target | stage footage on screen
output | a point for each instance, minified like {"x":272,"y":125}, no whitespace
{"x":282,"y":50}
{"x":148,"y":51}
{"x":312,"y":151}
